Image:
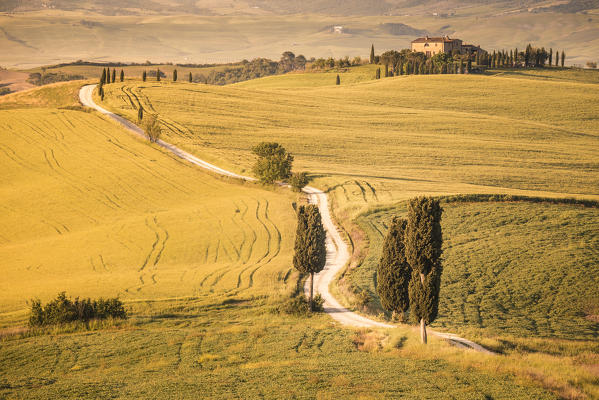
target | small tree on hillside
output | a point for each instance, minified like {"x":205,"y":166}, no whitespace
{"x":140,"y":114}
{"x":274,"y":163}
{"x":550,"y":57}
{"x":393,"y":272}
{"x":122,"y":75}
{"x":423,"y":241}
{"x":338,"y":80}
{"x":175,"y":76}
{"x":113,"y":75}
{"x":372,"y":54}
{"x":298,"y":181}
{"x":103,"y":77}
{"x":310,"y":246}
{"x":144,"y":76}
{"x":107,"y":75}
{"x":158,"y":75}
{"x":152,"y":128}
{"x":190,"y":78}
{"x":563,"y":58}
{"x":101,"y":92}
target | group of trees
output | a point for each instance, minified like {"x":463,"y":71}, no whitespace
{"x":331,"y":63}
{"x":62,"y":310}
{"x":110,"y":77}
{"x":409,"y":272}
{"x":408,"y":62}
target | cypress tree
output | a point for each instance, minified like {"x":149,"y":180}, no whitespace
{"x":144,"y":76}
{"x":113,"y":75}
{"x":190,"y":78}
{"x":372,"y":54}
{"x":310,"y":249}
{"x":103,"y":77}
{"x":563,"y":57}
{"x":400,"y":68}
{"x":550,"y":57}
{"x":378,"y":73}
{"x":338,"y":80}
{"x":122,"y":75}
{"x":386,"y":70}
{"x":423,"y":241}
{"x":557,"y":58}
{"x":107,"y":75}
{"x":140,"y":114}
{"x":393,"y":272}
{"x":175,"y":75}
{"x":158,"y":75}
{"x":102,"y":93}
{"x":469,"y":65}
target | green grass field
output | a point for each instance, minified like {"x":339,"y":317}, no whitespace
{"x":510,"y":268}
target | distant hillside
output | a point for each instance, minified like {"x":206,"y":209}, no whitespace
{"x":262,"y":7}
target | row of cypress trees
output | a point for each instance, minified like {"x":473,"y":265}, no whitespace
{"x":144,"y":76}
{"x":107,"y":77}
{"x":409,"y":271}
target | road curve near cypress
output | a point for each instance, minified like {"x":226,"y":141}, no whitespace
{"x":337,"y":250}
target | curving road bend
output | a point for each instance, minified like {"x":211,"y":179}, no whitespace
{"x":337,"y":251}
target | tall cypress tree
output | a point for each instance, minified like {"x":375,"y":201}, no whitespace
{"x":393,"y":272}
{"x":103,"y":77}
{"x":423,"y":241}
{"x":175,"y":75}
{"x":190,"y":77}
{"x":140,"y":114}
{"x":372,"y":54}
{"x":563,"y":57}
{"x":108,"y":75}
{"x":338,"y":80}
{"x":310,"y":248}
{"x":557,"y":58}
{"x":550,"y":57}
{"x":122,"y":75}
{"x":158,"y":74}
{"x":144,"y":76}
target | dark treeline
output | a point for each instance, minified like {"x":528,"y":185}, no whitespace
{"x":44,"y":78}
{"x":408,"y":62}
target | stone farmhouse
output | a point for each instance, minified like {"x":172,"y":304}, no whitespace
{"x":443,"y":44}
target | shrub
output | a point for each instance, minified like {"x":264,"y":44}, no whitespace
{"x":300,"y":306}
{"x":63,"y":310}
{"x":152,"y":128}
{"x":592,"y":64}
{"x":298,"y":180}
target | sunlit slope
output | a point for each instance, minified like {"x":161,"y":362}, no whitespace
{"x":381,"y":141}
{"x":509,"y":268}
{"x":88,"y":209}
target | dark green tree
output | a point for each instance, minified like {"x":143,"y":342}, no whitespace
{"x":144,"y":76}
{"x":175,"y":75}
{"x":103,"y":77}
{"x":338,"y":80}
{"x":190,"y":77}
{"x":140,"y":114}
{"x":310,"y":247}
{"x":563,"y":58}
{"x":158,"y":75}
{"x":274,"y":163}
{"x":550,"y":57}
{"x":378,"y":73}
{"x":372,"y":54}
{"x":423,"y":241}
{"x":122,"y":76}
{"x":107,"y":75}
{"x":393,"y":272}
{"x":298,"y":181}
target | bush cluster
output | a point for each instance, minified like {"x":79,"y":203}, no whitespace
{"x":300,"y":306}
{"x":63,"y":310}
{"x":40,"y":79}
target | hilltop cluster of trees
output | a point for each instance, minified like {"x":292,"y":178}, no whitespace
{"x":330,"y":63}
{"x":407,"y":62}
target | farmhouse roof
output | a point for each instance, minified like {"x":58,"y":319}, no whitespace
{"x":438,"y":39}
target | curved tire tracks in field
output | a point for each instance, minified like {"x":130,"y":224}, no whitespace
{"x":338,"y":253}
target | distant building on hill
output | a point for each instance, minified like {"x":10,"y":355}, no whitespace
{"x":443,"y":44}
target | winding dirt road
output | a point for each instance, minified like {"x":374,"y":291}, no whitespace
{"x":337,"y":251}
